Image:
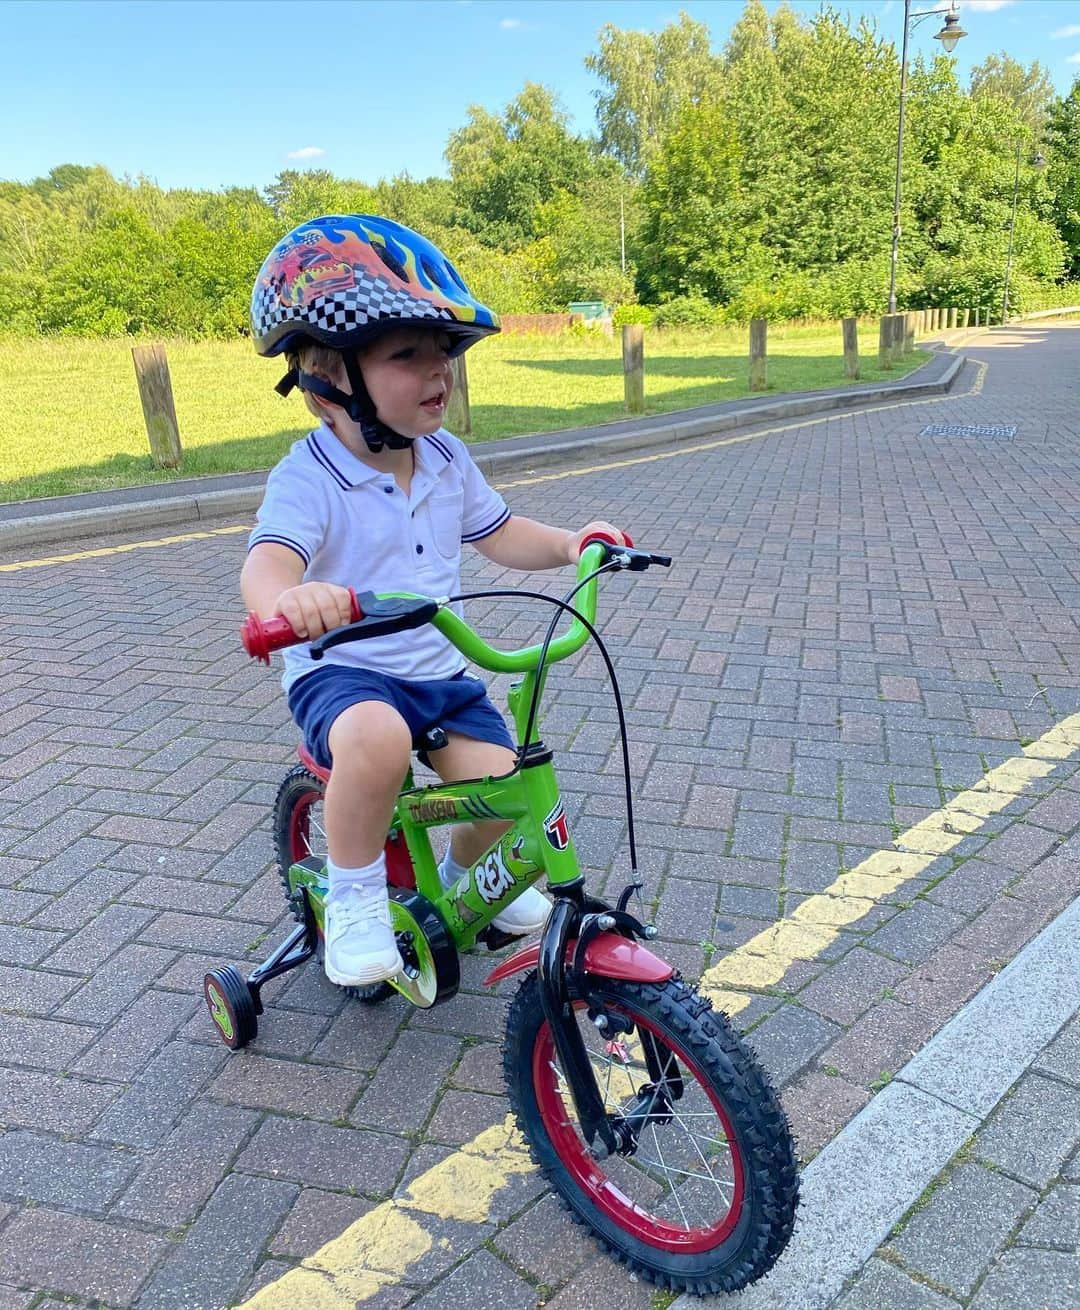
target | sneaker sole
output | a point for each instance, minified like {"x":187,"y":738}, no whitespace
{"x":519,"y":929}
{"x":373,"y":975}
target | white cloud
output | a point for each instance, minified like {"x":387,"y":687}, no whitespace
{"x":508,"y":23}
{"x":984,"y":6}
{"x":306,"y":152}
{"x":1074,"y":59}
{"x":1072,"y":30}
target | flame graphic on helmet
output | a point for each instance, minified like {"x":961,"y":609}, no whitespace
{"x":329,"y":256}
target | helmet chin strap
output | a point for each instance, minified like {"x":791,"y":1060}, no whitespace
{"x":359,"y":406}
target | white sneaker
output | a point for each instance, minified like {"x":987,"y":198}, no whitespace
{"x":526,"y":914}
{"x":360,"y":944}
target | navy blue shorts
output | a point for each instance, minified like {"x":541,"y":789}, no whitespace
{"x":458,"y":704}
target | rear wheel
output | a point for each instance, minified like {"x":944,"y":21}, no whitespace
{"x":300,"y":832}
{"x":704,"y":1200}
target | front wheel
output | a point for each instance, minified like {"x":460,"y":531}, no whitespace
{"x":704,"y":1200}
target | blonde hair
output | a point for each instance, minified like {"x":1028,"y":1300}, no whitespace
{"x":323,"y":361}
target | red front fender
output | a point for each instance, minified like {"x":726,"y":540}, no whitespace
{"x":609,"y":955}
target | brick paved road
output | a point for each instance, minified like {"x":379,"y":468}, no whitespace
{"x":860,"y":623}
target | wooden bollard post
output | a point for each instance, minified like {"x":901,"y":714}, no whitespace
{"x":633,"y":362}
{"x":850,"y":328}
{"x":458,"y":413}
{"x":952,"y":318}
{"x":909,"y":332}
{"x":896,"y":337}
{"x":884,"y":348}
{"x":759,"y":364}
{"x":966,"y":315}
{"x":159,"y":412}
{"x":976,"y":316}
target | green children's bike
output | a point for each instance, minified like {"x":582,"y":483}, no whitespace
{"x":645,"y":1111}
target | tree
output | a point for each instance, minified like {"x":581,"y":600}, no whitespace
{"x":649,"y":77}
{"x":503,"y":167}
{"x":961,"y":193}
{"x":578,"y":254}
{"x":694,"y":238}
{"x":1063,"y":149}
{"x":298,"y":194}
{"x":1029,"y":90}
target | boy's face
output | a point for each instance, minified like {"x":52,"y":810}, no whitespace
{"x":407,"y":374}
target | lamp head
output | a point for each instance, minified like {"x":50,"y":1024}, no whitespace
{"x":951,"y":32}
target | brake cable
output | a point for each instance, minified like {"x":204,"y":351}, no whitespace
{"x":563,"y":605}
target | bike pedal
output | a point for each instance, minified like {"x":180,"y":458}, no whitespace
{"x":495,"y":939}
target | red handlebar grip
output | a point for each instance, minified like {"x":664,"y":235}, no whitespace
{"x":608,"y":539}
{"x":261,"y":636}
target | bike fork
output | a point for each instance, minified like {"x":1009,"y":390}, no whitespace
{"x":559,"y":1012}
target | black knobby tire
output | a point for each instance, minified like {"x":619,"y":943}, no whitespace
{"x":298,"y":834}
{"x":645,"y":1208}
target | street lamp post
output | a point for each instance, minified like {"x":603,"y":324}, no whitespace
{"x":1038,"y":161}
{"x":950,"y":33}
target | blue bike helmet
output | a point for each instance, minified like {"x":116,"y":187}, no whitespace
{"x":341,"y":280}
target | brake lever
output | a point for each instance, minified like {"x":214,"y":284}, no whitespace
{"x":380,"y":618}
{"x":637,"y":561}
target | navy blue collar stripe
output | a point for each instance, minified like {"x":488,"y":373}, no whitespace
{"x":327,"y":464}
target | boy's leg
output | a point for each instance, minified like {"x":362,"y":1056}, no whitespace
{"x":466,"y":757}
{"x":370,"y":744}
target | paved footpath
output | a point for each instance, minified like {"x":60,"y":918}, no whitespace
{"x":854,"y":705}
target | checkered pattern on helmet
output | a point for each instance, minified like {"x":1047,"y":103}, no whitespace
{"x":373,"y":300}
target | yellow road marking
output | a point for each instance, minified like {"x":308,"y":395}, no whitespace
{"x":816,"y":923}
{"x":378,"y":1249}
{"x":380,"y":1246}
{"x":120,"y":550}
{"x":579,"y":472}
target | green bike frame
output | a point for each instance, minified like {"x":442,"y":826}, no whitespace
{"x":539,"y":841}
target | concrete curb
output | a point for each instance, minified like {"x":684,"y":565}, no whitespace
{"x":877,"y":1167}
{"x":67,"y":518}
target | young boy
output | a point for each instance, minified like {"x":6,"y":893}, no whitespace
{"x":380,"y":497}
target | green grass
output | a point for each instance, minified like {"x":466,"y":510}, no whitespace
{"x":72,"y":420}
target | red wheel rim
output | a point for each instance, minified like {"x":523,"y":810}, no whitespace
{"x":299,"y":826}
{"x":605,"y":1194}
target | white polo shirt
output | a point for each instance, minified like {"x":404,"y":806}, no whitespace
{"x":354,"y":526}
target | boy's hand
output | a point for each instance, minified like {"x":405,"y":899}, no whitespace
{"x":573,"y":544}
{"x":315,"y":607}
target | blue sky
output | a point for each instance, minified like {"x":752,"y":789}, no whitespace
{"x":211,"y":93}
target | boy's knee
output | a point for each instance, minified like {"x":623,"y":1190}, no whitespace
{"x":371,"y":731}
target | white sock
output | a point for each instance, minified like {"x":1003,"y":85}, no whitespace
{"x":341,"y":881}
{"x":450,"y":871}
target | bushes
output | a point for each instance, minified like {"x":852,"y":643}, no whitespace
{"x":692,"y":310}
{"x":643,"y":314}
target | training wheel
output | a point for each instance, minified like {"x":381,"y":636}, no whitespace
{"x":229,"y":1000}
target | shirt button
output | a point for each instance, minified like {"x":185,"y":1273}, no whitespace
{"x":389,"y":490}
{"x":419,"y":549}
